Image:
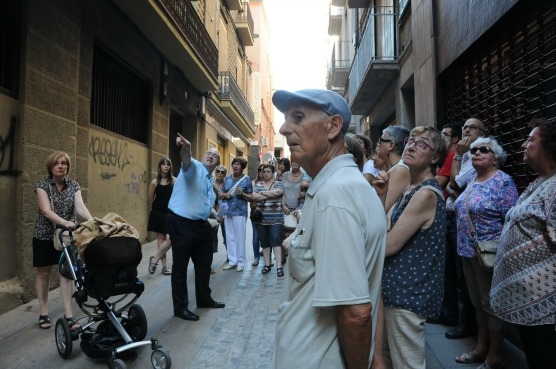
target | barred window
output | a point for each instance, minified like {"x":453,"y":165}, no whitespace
{"x":10,"y":18}
{"x":120,"y":97}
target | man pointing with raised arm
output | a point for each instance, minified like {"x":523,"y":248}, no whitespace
{"x":191,"y":204}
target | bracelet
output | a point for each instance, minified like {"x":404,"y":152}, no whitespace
{"x":458,"y":157}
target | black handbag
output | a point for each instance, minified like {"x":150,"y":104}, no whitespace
{"x":256,"y":216}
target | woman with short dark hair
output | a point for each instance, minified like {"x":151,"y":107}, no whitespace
{"x":523,"y":288}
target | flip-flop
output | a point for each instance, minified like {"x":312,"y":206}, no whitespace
{"x":470,"y":358}
{"x":152,"y":266}
{"x":44,"y":322}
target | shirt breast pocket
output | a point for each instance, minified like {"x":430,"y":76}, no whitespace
{"x":302,"y":263}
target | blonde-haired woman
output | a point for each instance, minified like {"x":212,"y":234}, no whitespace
{"x":66,"y":197}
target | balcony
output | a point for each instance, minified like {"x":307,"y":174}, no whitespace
{"x":244,"y":24}
{"x":340,"y":63}
{"x":375,"y":65}
{"x":358,"y":3}
{"x":337,"y":2}
{"x":233,"y":4}
{"x":175,"y":29}
{"x":234,"y":105}
{"x":335,"y":20}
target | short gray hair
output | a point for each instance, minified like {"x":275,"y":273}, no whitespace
{"x":491,"y":142}
{"x":398,"y":134}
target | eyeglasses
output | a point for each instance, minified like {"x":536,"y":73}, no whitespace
{"x":267,"y":171}
{"x":446,"y":134}
{"x":419,"y":144}
{"x":472,"y":127}
{"x":482,"y":150}
{"x":381,"y":140}
{"x":220,"y":171}
{"x":212,"y":154}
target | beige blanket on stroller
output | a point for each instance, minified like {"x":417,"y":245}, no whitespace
{"x":111,"y":225}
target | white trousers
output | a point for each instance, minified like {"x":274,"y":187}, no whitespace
{"x":404,"y":347}
{"x":236,"y":227}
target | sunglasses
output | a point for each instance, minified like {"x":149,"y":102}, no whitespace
{"x":482,"y":149}
{"x":260,"y":169}
{"x":220,"y":171}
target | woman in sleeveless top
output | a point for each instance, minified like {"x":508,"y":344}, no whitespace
{"x":160,"y":191}
{"x":414,"y":265}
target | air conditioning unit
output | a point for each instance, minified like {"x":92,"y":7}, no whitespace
{"x":264,"y":141}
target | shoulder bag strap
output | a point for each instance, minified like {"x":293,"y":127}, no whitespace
{"x":234,"y":186}
{"x":52,"y":204}
{"x":471,"y":227}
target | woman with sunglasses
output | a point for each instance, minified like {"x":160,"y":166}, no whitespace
{"x":414,"y":264}
{"x":389,"y":149}
{"x":487,"y":198}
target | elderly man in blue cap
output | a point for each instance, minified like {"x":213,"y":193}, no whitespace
{"x":329,"y":310}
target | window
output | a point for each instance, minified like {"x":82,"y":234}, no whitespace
{"x":120,"y":97}
{"x":10,"y":17}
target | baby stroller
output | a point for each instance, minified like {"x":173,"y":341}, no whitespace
{"x":106,"y":269}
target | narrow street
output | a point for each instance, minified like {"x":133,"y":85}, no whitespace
{"x":238,"y":336}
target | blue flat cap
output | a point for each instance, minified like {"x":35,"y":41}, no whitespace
{"x":328,"y":101}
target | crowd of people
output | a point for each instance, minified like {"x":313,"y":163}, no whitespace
{"x":382,"y":239}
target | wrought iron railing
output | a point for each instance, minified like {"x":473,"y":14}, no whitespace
{"x":340,"y":55}
{"x":193,"y":30}
{"x":378,"y":42}
{"x":229,"y":90}
{"x":243,"y":16}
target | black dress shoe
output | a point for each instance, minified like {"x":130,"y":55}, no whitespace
{"x":185,"y":314}
{"x":212,"y":304}
{"x":460,"y":332}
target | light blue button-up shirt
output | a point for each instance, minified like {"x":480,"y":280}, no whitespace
{"x":193,"y":196}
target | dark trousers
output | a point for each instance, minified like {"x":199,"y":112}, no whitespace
{"x":539,"y":343}
{"x":190,"y":239}
{"x":455,"y":288}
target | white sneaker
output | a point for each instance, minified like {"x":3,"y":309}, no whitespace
{"x":229,"y":266}
{"x":240,"y":268}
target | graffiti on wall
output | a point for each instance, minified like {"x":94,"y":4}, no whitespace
{"x":110,"y":152}
{"x":7,"y":150}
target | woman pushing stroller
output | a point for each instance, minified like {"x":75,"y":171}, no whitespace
{"x":65,"y":196}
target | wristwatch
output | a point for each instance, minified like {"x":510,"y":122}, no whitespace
{"x":458,"y":157}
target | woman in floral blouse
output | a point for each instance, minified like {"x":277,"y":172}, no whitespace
{"x":524,"y":284}
{"x":485,"y":202}
{"x":66,"y":197}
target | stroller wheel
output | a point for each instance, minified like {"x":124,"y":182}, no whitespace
{"x":117,"y":364}
{"x":161,"y":359}
{"x":64,"y":340}
{"x":136,"y":323}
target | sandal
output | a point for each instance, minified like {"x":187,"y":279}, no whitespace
{"x":166,"y":271}
{"x":72,"y":323}
{"x":266,"y":269}
{"x":280,"y":272}
{"x":44,"y":322}
{"x":152,"y":266}
{"x":470,"y":358}
{"x":255,"y":262}
{"x":492,"y":366}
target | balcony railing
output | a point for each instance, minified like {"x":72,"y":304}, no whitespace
{"x":335,"y":20}
{"x":339,"y":64}
{"x":193,"y":30}
{"x":375,"y":63}
{"x":229,"y":90}
{"x":244,"y":24}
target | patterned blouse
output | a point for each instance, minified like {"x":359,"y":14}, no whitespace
{"x":412,"y":279}
{"x":524,"y":282}
{"x":64,"y":206}
{"x":271,"y":208}
{"x":488,"y":203}
{"x":237,"y":205}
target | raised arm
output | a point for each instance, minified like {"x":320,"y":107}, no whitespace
{"x":185,"y":152}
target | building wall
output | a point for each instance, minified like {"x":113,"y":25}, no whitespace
{"x":460,"y":23}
